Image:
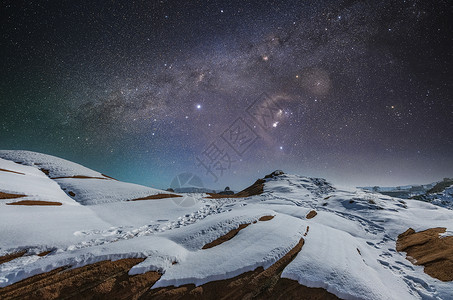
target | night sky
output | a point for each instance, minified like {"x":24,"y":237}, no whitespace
{"x":358,"y":92}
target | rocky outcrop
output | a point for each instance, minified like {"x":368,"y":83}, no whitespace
{"x":10,"y":196}
{"x":232,"y":233}
{"x":5,"y":170}
{"x":102,"y":280}
{"x":429,"y":249}
{"x":156,"y":196}
{"x":79,"y":177}
{"x":35,"y":203}
{"x":110,"y":280}
{"x":11,"y":256}
{"x":257,"y":284}
{"x":311,"y":214}
{"x":255,"y":189}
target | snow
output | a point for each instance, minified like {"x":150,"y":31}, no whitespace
{"x":443,"y":199}
{"x":259,"y":246}
{"x":57,"y":167}
{"x":96,"y":191}
{"x":33,"y":183}
{"x":342,"y":270}
{"x":420,"y":187}
{"x":88,"y":191}
{"x":349,"y":248}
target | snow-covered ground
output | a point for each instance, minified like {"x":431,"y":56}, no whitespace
{"x":349,"y":248}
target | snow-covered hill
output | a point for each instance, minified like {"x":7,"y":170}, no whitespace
{"x":343,"y":241}
{"x":84,"y":185}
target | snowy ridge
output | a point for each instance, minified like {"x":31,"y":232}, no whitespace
{"x":275,"y":238}
{"x":97,"y":191}
{"x":321,"y":262}
{"x":29,"y":181}
{"x":349,"y":245}
{"x":56,"y":166}
{"x":95,"y":188}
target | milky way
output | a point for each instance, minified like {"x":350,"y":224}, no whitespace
{"x":145,"y":90}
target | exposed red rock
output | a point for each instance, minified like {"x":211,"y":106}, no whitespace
{"x":266,"y":218}
{"x":45,"y":171}
{"x":4,"y":170}
{"x":157,"y":196}
{"x":257,"y":284}
{"x":232,"y":233}
{"x":109,"y":177}
{"x":430,"y":250}
{"x":291,"y":289}
{"x":102,"y":280}
{"x":110,"y":280}
{"x":11,"y":256}
{"x":80,"y":177}
{"x":44,"y":253}
{"x":35,"y":202}
{"x":255,"y":189}
{"x":10,"y":196}
{"x":311,"y":214}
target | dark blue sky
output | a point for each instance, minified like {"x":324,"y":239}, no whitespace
{"x":145,"y":90}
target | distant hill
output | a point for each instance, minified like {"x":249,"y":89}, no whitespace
{"x":405,"y":192}
{"x":439,"y":193}
{"x":193,"y":190}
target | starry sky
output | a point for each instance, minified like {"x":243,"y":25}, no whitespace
{"x":358,"y":92}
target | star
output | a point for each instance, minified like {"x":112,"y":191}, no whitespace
{"x":154,"y":75}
